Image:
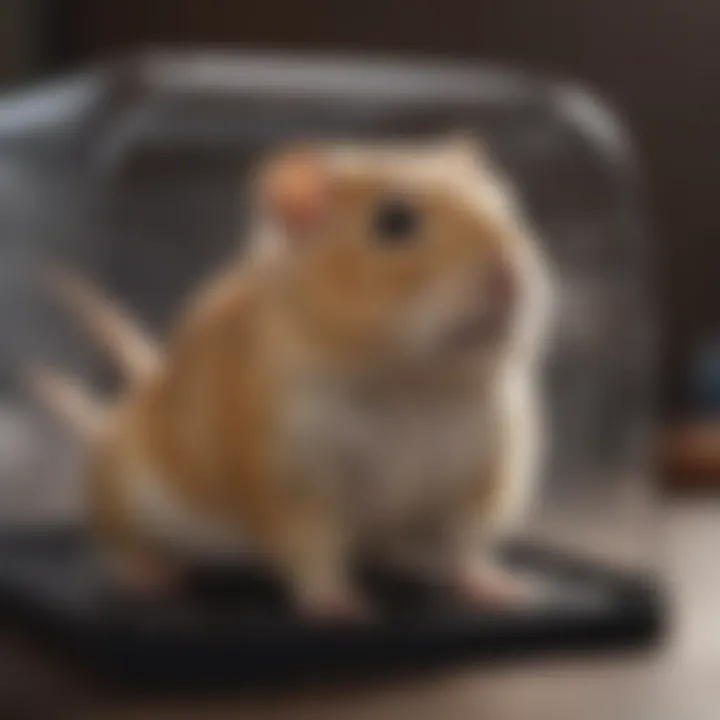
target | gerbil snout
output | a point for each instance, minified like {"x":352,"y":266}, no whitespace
{"x":500,"y":290}
{"x":494,"y":305}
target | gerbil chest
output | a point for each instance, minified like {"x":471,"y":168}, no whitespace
{"x":389,"y":457}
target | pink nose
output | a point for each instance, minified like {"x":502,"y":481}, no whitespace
{"x":500,"y":290}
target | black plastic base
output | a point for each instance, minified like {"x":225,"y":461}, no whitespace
{"x":235,"y":629}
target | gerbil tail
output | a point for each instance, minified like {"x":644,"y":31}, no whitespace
{"x":121,"y":336}
{"x":69,"y":400}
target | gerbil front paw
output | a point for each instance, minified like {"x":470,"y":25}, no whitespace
{"x":489,"y":584}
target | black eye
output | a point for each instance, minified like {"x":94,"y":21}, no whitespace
{"x":396,"y":221}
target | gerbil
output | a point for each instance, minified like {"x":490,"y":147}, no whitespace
{"x":363,"y":383}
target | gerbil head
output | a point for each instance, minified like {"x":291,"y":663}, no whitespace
{"x":403,"y":253}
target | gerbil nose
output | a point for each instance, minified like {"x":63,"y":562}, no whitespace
{"x":500,"y":289}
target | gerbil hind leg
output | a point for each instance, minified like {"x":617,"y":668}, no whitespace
{"x":472,"y":570}
{"x":476,"y":577}
{"x":456,"y":555}
{"x":137,"y":567}
{"x":134,"y":565}
{"x":145,"y":575}
{"x":480,"y":521}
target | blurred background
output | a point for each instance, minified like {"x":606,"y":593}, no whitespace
{"x":610,"y":129}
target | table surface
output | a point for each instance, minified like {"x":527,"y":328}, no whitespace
{"x":678,"y":681}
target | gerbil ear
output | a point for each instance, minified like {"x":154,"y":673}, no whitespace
{"x":295,"y":188}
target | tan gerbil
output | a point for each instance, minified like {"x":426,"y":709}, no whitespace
{"x":363,"y":383}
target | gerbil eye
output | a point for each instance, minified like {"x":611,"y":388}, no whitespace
{"x":396,"y":221}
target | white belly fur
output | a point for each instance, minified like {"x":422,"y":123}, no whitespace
{"x":393,"y":459}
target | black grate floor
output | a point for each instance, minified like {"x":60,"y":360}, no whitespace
{"x":232,"y":629}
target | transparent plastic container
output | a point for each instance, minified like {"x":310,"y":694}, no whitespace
{"x":133,"y":173}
